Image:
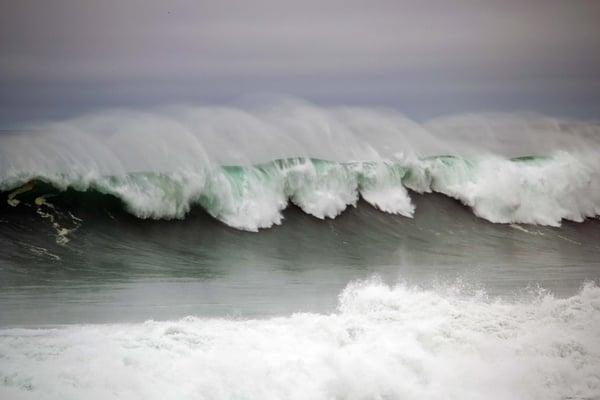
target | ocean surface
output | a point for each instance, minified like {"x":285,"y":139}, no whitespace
{"x":291,"y":251}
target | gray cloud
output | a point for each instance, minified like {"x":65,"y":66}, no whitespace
{"x":69,"y":54}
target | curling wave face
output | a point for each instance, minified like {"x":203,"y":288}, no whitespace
{"x":383,"y":342}
{"x":245,"y":166}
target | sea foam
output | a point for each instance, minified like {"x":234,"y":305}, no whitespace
{"x":383,"y":342}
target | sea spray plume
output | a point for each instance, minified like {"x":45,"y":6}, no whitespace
{"x":143,"y":141}
{"x":515,"y":134}
{"x":244,"y":165}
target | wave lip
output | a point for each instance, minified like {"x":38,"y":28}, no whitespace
{"x":383,"y":342}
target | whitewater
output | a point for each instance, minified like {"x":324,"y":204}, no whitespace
{"x":383,"y":342}
{"x":245,"y":165}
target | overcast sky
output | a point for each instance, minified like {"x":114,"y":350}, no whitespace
{"x":425,"y":58}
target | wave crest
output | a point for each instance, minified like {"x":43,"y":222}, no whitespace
{"x":160,"y":164}
{"x":535,"y":190}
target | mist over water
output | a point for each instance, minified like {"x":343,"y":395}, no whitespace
{"x":286,"y":250}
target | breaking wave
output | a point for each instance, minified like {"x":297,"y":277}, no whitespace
{"x":245,"y":166}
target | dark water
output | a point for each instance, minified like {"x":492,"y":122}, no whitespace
{"x":117,"y":268}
